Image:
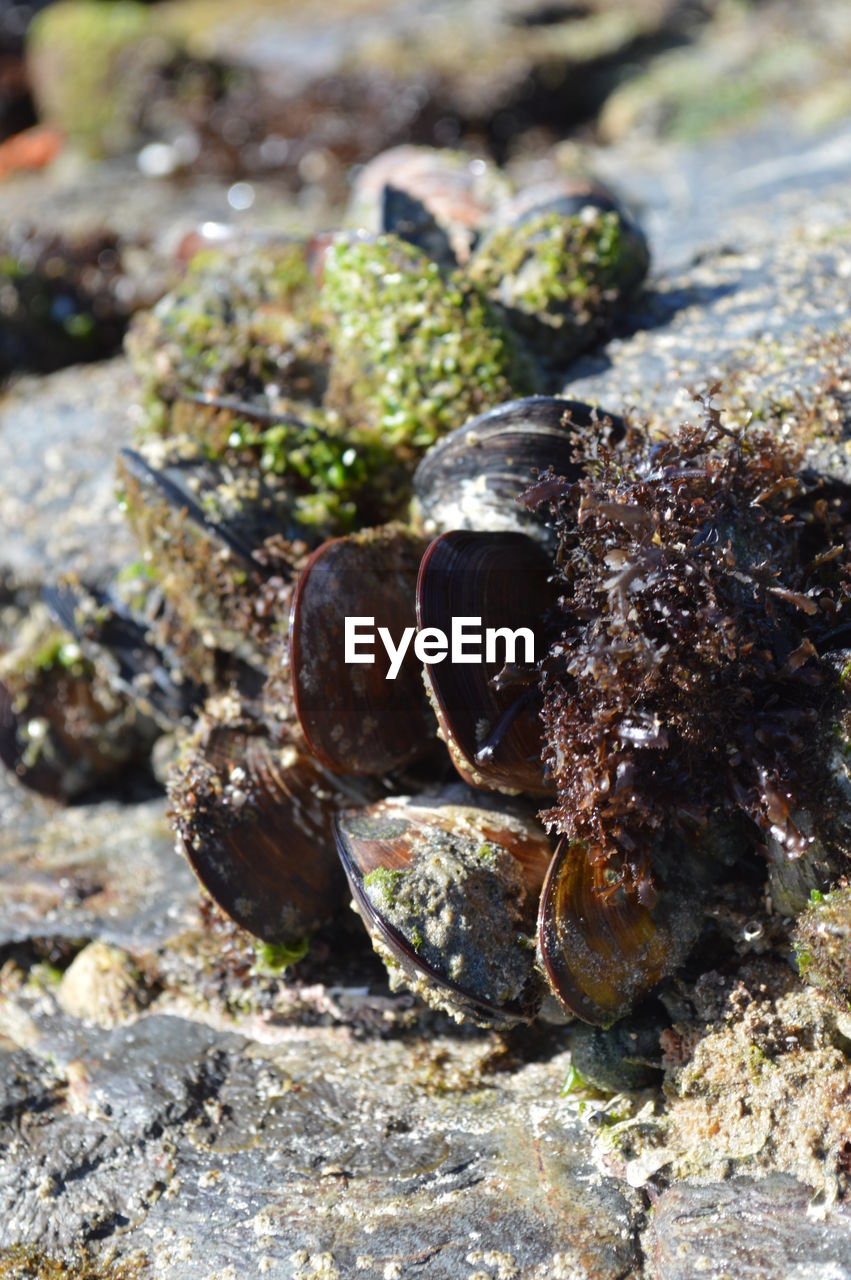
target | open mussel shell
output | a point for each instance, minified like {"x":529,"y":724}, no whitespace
{"x":447,"y":885}
{"x":255,"y":819}
{"x":603,"y":949}
{"x":206,"y":528}
{"x":205,"y":494}
{"x":354,"y":718}
{"x":472,"y":478}
{"x":488,"y":710}
{"x":415,"y":192}
{"x":403,"y":215}
{"x":122,"y":646}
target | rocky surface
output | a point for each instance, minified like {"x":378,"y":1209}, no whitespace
{"x":747,"y":1229}
{"x":169,"y":1105}
{"x":750,"y":288}
{"x":58,"y":441}
{"x":105,"y":871}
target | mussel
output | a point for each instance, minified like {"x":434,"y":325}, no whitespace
{"x":447,"y":884}
{"x":471,"y":478}
{"x":254,"y":815}
{"x":456,"y":925}
{"x":437,"y":199}
{"x":70,"y":723}
{"x":648,"y":818}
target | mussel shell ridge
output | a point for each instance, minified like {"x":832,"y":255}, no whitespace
{"x":493,"y":733}
{"x":354,"y":719}
{"x":255,"y":821}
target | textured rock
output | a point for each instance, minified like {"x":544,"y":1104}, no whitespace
{"x":106,"y":871}
{"x":751,"y":1230}
{"x":207,"y":1151}
{"x":58,"y":441}
{"x":759,"y":310}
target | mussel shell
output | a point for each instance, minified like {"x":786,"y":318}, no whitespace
{"x":602,"y":951}
{"x":558,"y":278}
{"x":457,"y":191}
{"x":391,"y":835}
{"x":122,"y":646}
{"x":255,"y":820}
{"x":568,"y":197}
{"x":354,"y":719}
{"x":503,"y":579}
{"x":203,"y":492}
{"x":206,"y":529}
{"x":472,"y":478}
{"x":61,"y":736}
{"x":403,"y":215}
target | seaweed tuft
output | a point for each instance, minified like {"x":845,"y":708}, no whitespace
{"x":704,"y":589}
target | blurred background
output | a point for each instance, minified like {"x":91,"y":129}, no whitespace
{"x":143,"y":120}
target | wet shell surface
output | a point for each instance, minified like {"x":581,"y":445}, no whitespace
{"x":447,"y":884}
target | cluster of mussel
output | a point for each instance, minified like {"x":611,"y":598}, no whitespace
{"x":338,"y":430}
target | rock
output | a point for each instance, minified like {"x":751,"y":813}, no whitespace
{"x":206,"y":1151}
{"x":58,"y":440}
{"x":738,"y":71}
{"x":96,"y":97}
{"x":768,"y":1229}
{"x":105,"y":871}
{"x":101,"y":985}
{"x":764,"y":314}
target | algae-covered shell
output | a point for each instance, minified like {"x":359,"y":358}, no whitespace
{"x":559,"y":279}
{"x":447,"y":884}
{"x":242,"y":323}
{"x":415,"y":352}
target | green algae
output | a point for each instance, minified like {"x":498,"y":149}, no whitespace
{"x":415,"y":353}
{"x":557,"y":280}
{"x":822,"y":942}
{"x":91,"y":62}
{"x":273,"y":959}
{"x":240,"y":325}
{"x":383,"y":886}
